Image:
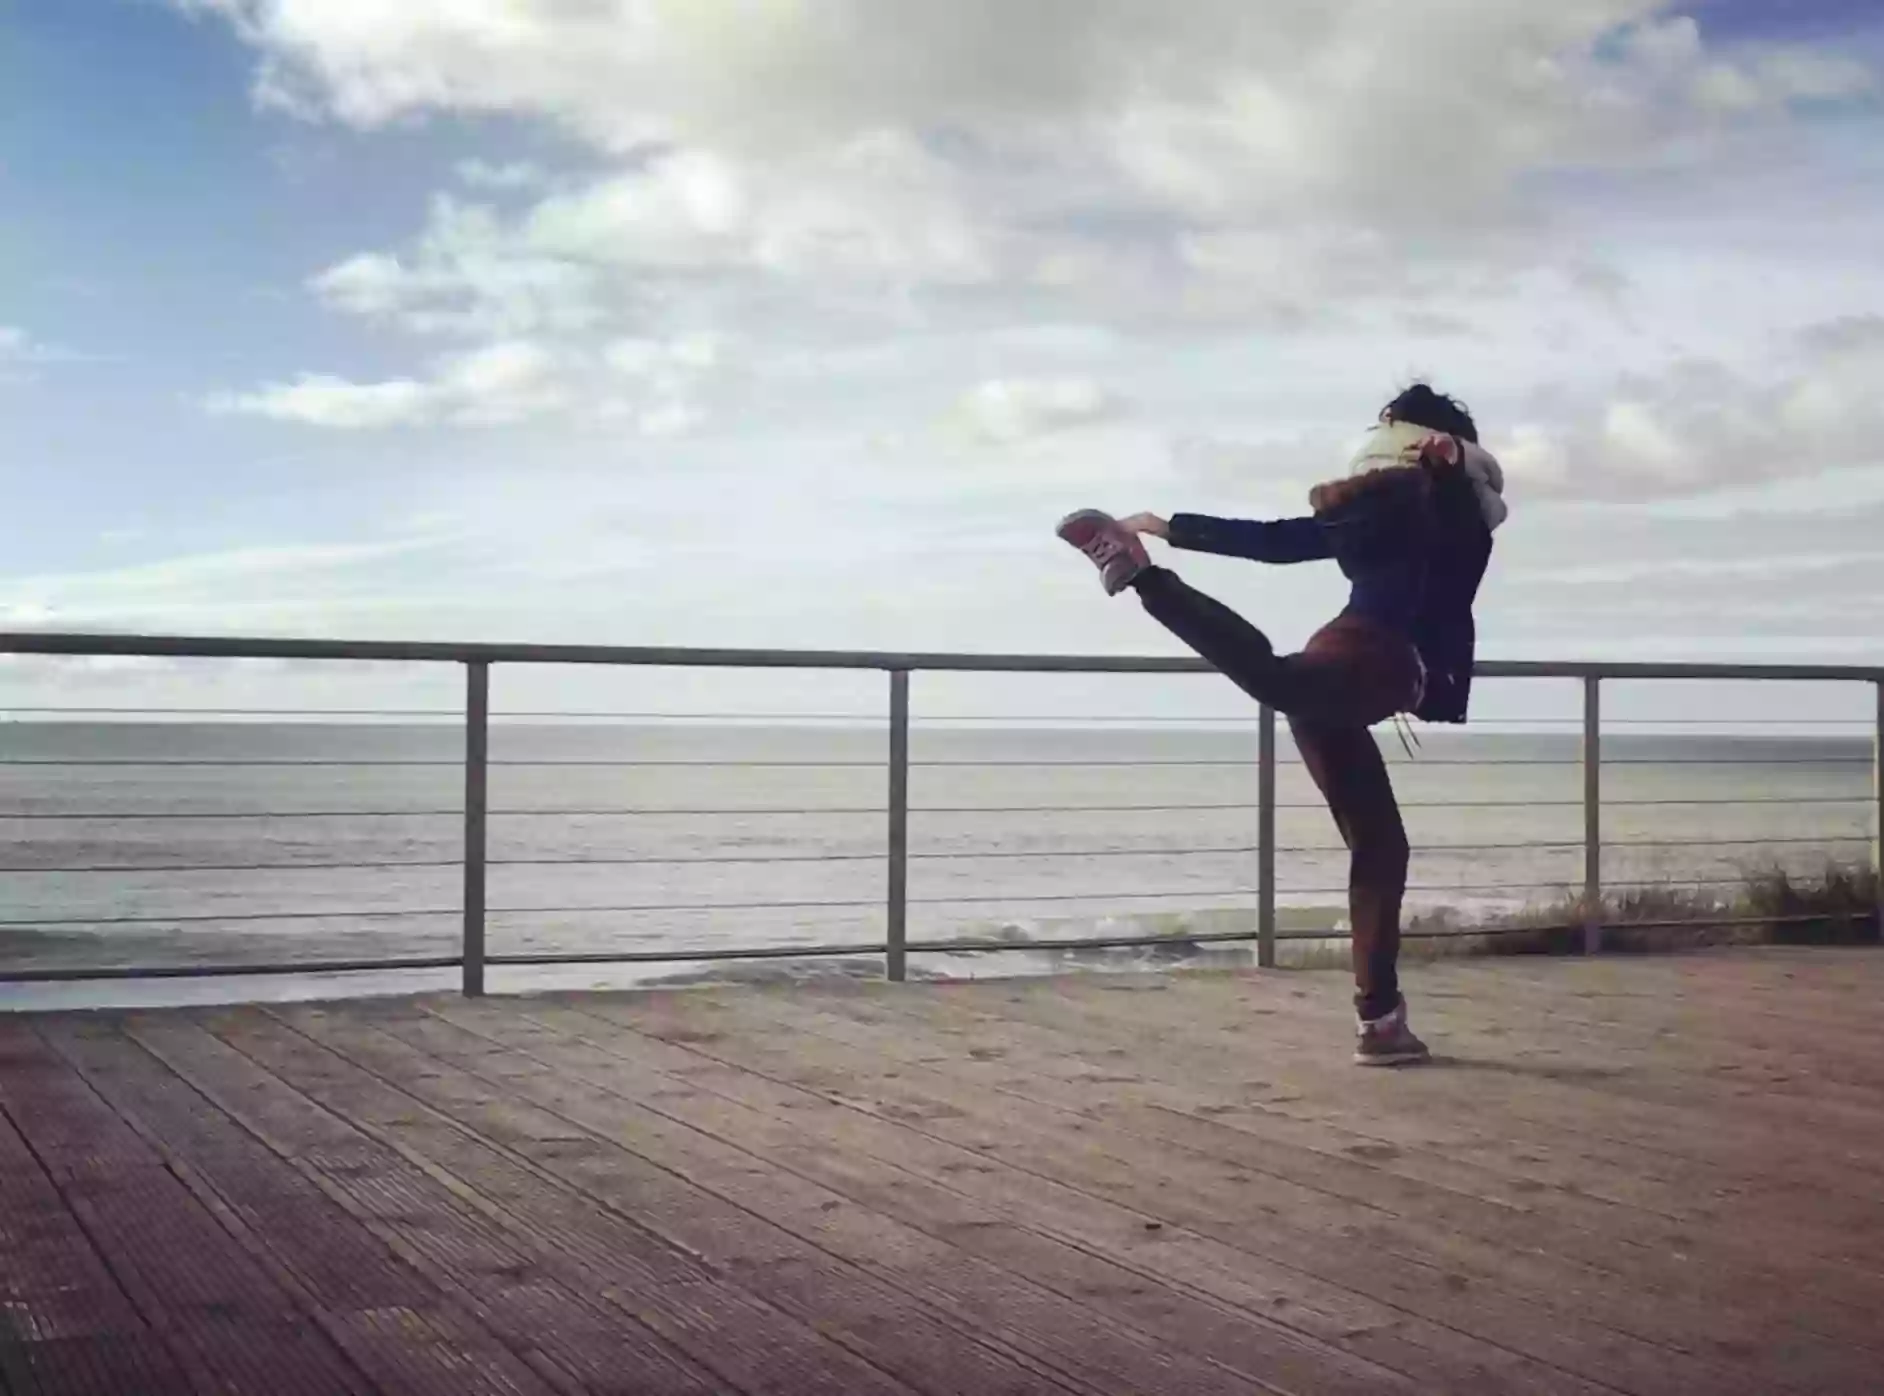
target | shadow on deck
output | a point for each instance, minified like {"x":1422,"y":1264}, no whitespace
{"x":1647,"y":1176}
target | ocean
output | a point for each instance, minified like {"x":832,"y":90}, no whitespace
{"x":231,"y":842}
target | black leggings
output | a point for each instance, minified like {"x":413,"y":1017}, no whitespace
{"x":1351,"y":675}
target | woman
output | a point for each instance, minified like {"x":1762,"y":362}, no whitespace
{"x":1411,"y":528}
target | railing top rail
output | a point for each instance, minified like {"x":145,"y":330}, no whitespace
{"x":449,"y":652}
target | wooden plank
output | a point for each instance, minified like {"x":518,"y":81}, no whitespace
{"x":66,"y":1325}
{"x":1569,"y":1106}
{"x":1020,"y":1210}
{"x":1170,"y":1082}
{"x":1511,"y":1273}
{"x":223,"y":1318}
{"x":1773,"y":1021}
{"x":100,"y":1365}
{"x":55,"y":1284}
{"x":1640,"y":1176}
{"x":1578,"y":1116}
{"x":1776,"y":980}
{"x":494,"y":1224}
{"x":1736,"y":1020}
{"x":1024,"y":1318}
{"x":1161,"y":1056}
{"x":1492,"y":1302}
{"x":880,"y":1322}
{"x":1564,"y":1099}
{"x":1701,"y":1304}
{"x":1261,"y":1349}
{"x":393,"y":1322}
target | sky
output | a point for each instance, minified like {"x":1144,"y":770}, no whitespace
{"x":801,"y":322}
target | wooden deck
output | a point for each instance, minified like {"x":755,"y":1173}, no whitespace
{"x":1645,"y":1176}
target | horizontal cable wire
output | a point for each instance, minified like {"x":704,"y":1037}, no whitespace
{"x":140,"y":815}
{"x":194,"y":970}
{"x":232,"y":918}
{"x":1608,"y":844}
{"x":649,"y":715}
{"x":689,"y":811}
{"x":877,"y":857}
{"x":78,"y":868}
{"x":874,"y":763}
{"x":1627,"y":804}
{"x":682,"y":955}
{"x":979,"y":947}
{"x":1185,"y":852}
{"x":39,"y":975}
{"x":789,"y":905}
{"x":670,"y":715}
{"x":625,"y":862}
{"x":938,"y":855}
{"x":1864,"y":761}
{"x":1544,"y":888}
{"x":1139,"y":852}
{"x":1699,"y":923}
{"x":221,"y":763}
{"x":234,"y":712}
{"x":958,"y":899}
{"x":1416,"y":763}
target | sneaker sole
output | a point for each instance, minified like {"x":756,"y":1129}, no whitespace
{"x":1081,"y":528}
{"x":1392,"y":1059}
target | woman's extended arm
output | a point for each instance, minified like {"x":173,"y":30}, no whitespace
{"x":1280,"y":541}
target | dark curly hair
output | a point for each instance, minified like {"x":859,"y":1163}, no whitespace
{"x":1423,"y":407}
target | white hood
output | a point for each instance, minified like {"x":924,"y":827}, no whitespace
{"x":1398,"y":443}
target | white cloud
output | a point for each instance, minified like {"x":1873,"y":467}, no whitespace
{"x":967,"y":145}
{"x":880,"y":208}
{"x":1006,"y":411}
{"x":728,"y":74}
{"x":1780,"y":76}
{"x":499,"y":383}
{"x":670,"y":419}
{"x":466,"y":276}
{"x":217,"y":589}
{"x":1533,"y":457}
{"x":509,"y":174}
{"x":1702,"y":426}
{"x":822,"y":219}
{"x":21,"y":354}
{"x":663,"y":386}
{"x":1846,"y":335}
{"x":322,"y":400}
{"x":823,"y":178}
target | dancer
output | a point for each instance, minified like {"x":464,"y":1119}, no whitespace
{"x":1411,"y":528}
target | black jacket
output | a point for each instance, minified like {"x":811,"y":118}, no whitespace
{"x":1413,"y":543}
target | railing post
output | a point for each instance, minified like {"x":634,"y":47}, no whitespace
{"x":1877,"y":814}
{"x":477,"y":751}
{"x":895,"y":956}
{"x":1592,"y":815}
{"x":1266,"y":838}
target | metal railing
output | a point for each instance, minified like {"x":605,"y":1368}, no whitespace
{"x":474,"y":958}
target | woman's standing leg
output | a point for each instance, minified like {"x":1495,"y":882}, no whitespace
{"x":1346,"y":765}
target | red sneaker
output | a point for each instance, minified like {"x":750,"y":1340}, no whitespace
{"x":1116,"y":552}
{"x":1390,"y":1042}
